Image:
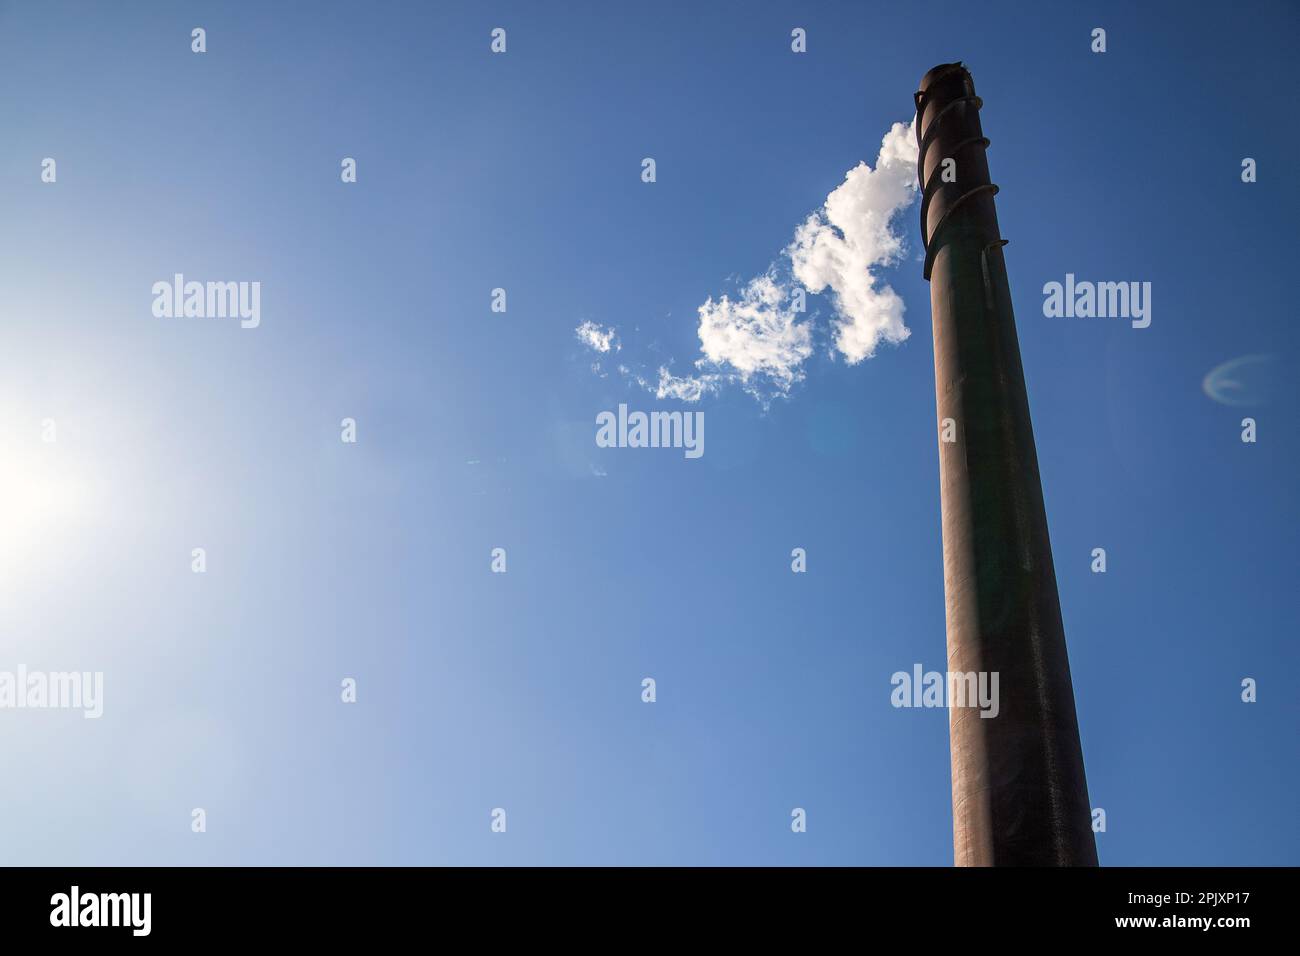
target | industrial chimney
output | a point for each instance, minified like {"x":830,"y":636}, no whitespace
{"x":1019,"y":797}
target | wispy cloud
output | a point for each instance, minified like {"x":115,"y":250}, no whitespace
{"x":760,"y":337}
{"x":598,"y":338}
{"x":686,"y":388}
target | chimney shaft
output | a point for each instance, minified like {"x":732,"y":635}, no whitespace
{"x":1019,"y":796}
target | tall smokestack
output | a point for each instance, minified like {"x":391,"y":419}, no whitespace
{"x":1019,"y":797}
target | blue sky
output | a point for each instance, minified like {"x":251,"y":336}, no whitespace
{"x":476,"y":431}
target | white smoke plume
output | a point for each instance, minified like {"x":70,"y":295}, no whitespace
{"x":840,"y":245}
{"x":758,"y":339}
